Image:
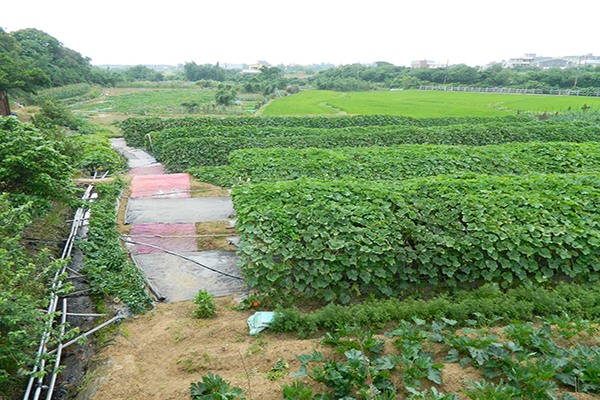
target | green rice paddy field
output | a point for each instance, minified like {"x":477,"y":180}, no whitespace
{"x":416,"y":103}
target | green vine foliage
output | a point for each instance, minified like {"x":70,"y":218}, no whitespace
{"x":23,"y":293}
{"x":397,"y":163}
{"x":106,"y":263}
{"x":417,"y":133}
{"x":187,"y":152}
{"x":341,"y":240}
{"x":90,"y":153}
{"x":135,"y":129}
{"x":32,"y":166}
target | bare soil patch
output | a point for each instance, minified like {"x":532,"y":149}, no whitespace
{"x":158,"y":355}
{"x":215,"y":242}
{"x":203,"y":189}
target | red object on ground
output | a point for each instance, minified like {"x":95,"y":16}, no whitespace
{"x":156,"y":234}
{"x":160,"y":186}
{"x":152,"y":170}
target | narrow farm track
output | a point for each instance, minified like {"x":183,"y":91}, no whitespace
{"x":173,"y":266}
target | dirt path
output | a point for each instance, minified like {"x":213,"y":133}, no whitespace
{"x":158,"y":355}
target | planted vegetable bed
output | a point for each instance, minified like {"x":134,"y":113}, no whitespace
{"x":135,"y":129}
{"x":181,"y":153}
{"x":398,"y":163}
{"x":339,"y":240}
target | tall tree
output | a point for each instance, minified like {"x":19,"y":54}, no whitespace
{"x":62,"y":65}
{"x":15,"y":74}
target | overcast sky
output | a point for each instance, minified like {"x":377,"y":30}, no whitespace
{"x":472,"y":32}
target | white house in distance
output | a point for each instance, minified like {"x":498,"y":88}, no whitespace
{"x":426,"y":64}
{"x":255,"y":68}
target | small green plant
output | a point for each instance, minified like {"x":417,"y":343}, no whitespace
{"x":279,"y":370}
{"x":297,"y":391}
{"x":213,"y":387}
{"x":205,"y":303}
{"x":431,"y":394}
{"x":485,"y":390}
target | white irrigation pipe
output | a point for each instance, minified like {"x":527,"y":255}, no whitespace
{"x":63,"y":322}
{"x":116,"y":318}
{"x":56,"y":285}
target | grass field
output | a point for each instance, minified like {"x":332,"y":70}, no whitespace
{"x":160,"y":101}
{"x":415,"y":103}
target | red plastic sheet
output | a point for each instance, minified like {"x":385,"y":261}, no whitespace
{"x":160,"y":186}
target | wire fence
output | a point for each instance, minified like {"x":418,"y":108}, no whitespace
{"x":554,"y":92}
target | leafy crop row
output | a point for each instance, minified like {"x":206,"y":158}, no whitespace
{"x":488,"y":301}
{"x":285,"y":131}
{"x":135,"y":129}
{"x":180,"y":154}
{"x":338,"y":240}
{"x":164,"y":144}
{"x":397,"y":163}
{"x":106,"y":264}
{"x":546,"y":361}
{"x":529,"y":361}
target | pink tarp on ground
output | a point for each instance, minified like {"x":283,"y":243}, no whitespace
{"x":160,"y":186}
{"x":156,"y":234}
{"x":152,"y":170}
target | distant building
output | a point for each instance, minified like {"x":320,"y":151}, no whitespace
{"x":255,"y":68}
{"x":552,"y":62}
{"x":588,"y":59}
{"x":525,"y":61}
{"x":426,"y":64}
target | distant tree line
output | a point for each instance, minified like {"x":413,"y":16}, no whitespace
{"x":385,"y":75}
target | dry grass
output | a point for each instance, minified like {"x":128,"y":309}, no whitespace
{"x":214,"y":243}
{"x":203,"y":189}
{"x":121,"y":227}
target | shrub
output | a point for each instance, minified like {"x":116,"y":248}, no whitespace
{"x":32,"y":164}
{"x":205,"y":304}
{"x":106,"y":264}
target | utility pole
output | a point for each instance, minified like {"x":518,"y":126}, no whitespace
{"x":4,"y":105}
{"x":446,"y":71}
{"x":577,"y":73}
